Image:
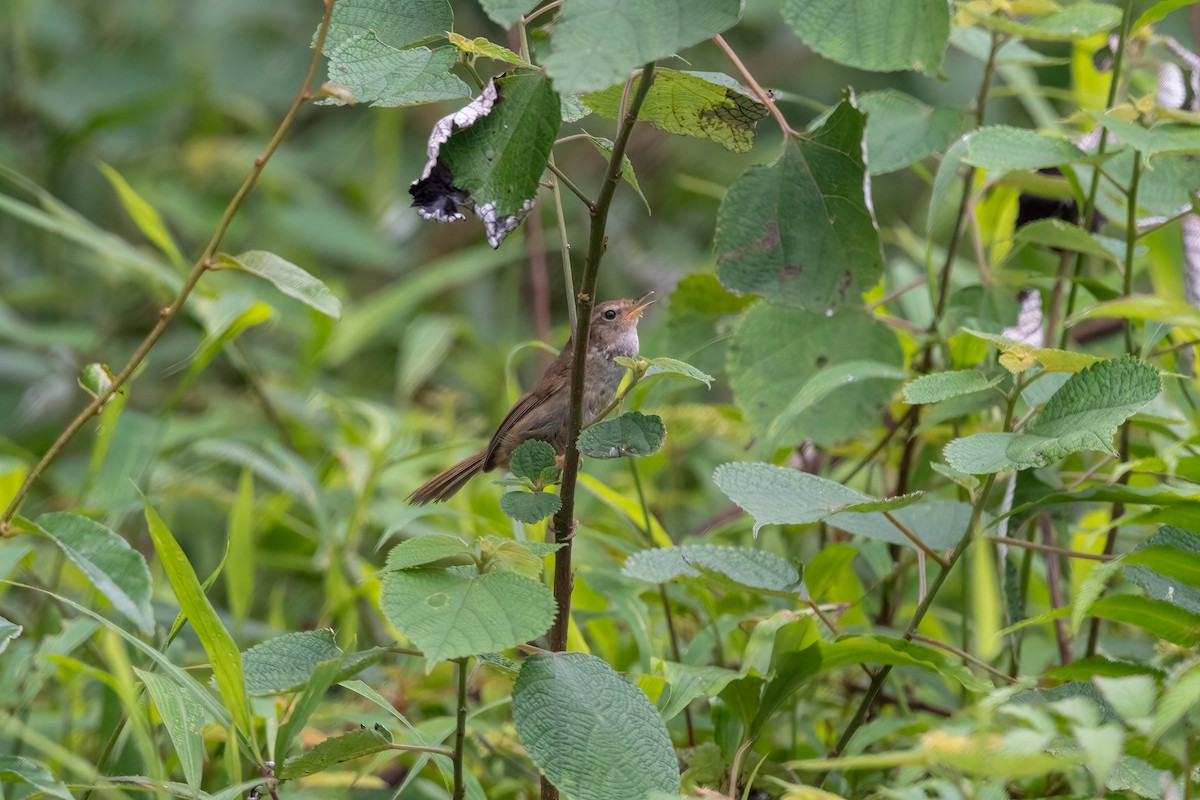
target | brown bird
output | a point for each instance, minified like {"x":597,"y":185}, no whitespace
{"x":542,"y":412}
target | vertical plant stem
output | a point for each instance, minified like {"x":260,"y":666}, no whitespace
{"x":1087,"y":214}
{"x":539,"y":280}
{"x":460,"y":730}
{"x":1054,"y":582}
{"x":564,"y":521}
{"x":202,"y":265}
{"x":565,"y":251}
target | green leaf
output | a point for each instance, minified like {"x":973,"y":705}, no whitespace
{"x":673,"y":367}
{"x":947,"y":172}
{"x":779,"y":496}
{"x":287,"y":278}
{"x":775,"y":351}
{"x":116,"y":570}
{"x":605,"y":148}
{"x":1158,"y":11}
{"x":756,"y":569}
{"x":286,"y":663}
{"x":617,"y":748}
{"x":9,"y":630}
{"x":422,"y":550}
{"x":700,"y":313}
{"x":15,"y":769}
{"x":1160,"y":618}
{"x":1074,"y":22}
{"x":1132,"y":774}
{"x":306,"y":704}
{"x":800,"y":231}
{"x":523,"y":558}
{"x":490,"y":156}
{"x":1082,"y":415}
{"x":1061,"y":234}
{"x":1144,"y":307}
{"x":368,"y":70}
{"x":1166,"y":564}
{"x":597,"y":43}
{"x":530,"y":507}
{"x":143,"y":215}
{"x":1178,"y":698}
{"x":793,"y":670}
{"x":704,"y":105}
{"x":480,"y":46}
{"x":632,"y":434}
{"x":530,"y":458}
{"x":901,"y":130}
{"x":398,"y":23}
{"x":1002,"y":148}
{"x":875,"y":35}
{"x":456,"y":612}
{"x":507,"y":13}
{"x":184,"y":720}
{"x":943,"y":385}
{"x":336,"y":750}
{"x":863,"y":649}
{"x":826,"y":381}
{"x":214,"y":638}
{"x":1160,"y":139}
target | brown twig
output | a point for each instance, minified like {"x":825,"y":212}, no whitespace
{"x":924,"y":548}
{"x":1049,"y":548}
{"x":1054,"y":582}
{"x":165,"y":315}
{"x":762,"y":94}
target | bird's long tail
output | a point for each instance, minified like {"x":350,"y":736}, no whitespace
{"x":444,"y":485}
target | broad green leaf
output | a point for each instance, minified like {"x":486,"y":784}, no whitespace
{"x":605,"y":148}
{"x":864,"y":649}
{"x":793,"y":669}
{"x":946,"y":174}
{"x":1133,"y":697}
{"x":368,"y":70}
{"x":779,"y":496}
{"x":307,"y":702}
{"x":1158,"y":11}
{"x":507,"y":13}
{"x":1177,"y":313}
{"x":985,"y":599}
{"x":756,"y":569}
{"x":1160,"y":618}
{"x":1002,"y":148}
{"x":700,"y":314}
{"x":876,"y":35}
{"x":489,"y":156}
{"x":1083,"y":415}
{"x":422,"y":550}
{"x":1073,"y":22}
{"x":1064,"y":235}
{"x":631,"y":434}
{"x":9,"y":630}
{"x":530,"y":459}
{"x":597,"y":43}
{"x":287,"y":278}
{"x":901,"y":130}
{"x":1178,"y":698}
{"x":800,"y":231}
{"x":1160,"y":139}
{"x":456,"y":612}
{"x":116,"y":570}
{"x":488,"y":49}
{"x":1085,"y":669}
{"x":286,"y":663}
{"x":143,"y":215}
{"x":776,"y":350}
{"x":687,"y":682}
{"x":523,"y":558}
{"x":705,"y":105}
{"x":1132,"y":774}
{"x":335,"y":750}
{"x":530,"y":507}
{"x":222,"y":652}
{"x":590,"y":750}
{"x":944,"y":385}
{"x":826,"y":381}
{"x":673,"y":367}
{"x":398,"y":23}
{"x":16,"y":769}
{"x":184,"y":720}
{"x":1166,"y":564}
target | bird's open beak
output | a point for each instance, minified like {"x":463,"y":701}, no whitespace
{"x":641,"y":305}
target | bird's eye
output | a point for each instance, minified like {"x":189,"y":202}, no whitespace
{"x":610,"y":314}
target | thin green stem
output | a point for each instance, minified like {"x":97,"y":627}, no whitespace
{"x":575,"y":190}
{"x":460,"y":730}
{"x":564,"y":251}
{"x":165,"y":315}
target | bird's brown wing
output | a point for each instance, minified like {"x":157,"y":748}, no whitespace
{"x":516,"y":426}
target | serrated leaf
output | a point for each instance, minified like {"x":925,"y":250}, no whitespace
{"x":335,"y":750}
{"x":367,"y":70}
{"x":16,"y":769}
{"x":800,"y":231}
{"x":1166,"y":564}
{"x":530,"y":458}
{"x":704,"y":105}
{"x":489,"y":156}
{"x":286,"y":663}
{"x":116,"y":570}
{"x":944,"y":385}
{"x":507,"y":13}
{"x":398,"y":23}
{"x":902,"y":130}
{"x":1073,"y":22}
{"x":1002,"y":148}
{"x":605,"y":148}
{"x":632,"y":434}
{"x":1132,"y":774}
{"x":422,"y":550}
{"x":590,"y":750}
{"x":755,"y":569}
{"x":1082,"y":415}
{"x":9,"y":630}
{"x":287,"y":278}
{"x":1064,"y":235}
{"x":876,"y":35}
{"x":775,"y":351}
{"x":1160,"y":618}
{"x":530,"y":507}
{"x":865,"y":649}
{"x":826,"y":381}
{"x":523,"y":558}
{"x":456,"y":612}
{"x":597,"y":43}
{"x":184,"y":720}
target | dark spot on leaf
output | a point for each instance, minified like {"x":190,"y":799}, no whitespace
{"x":822,"y":361}
{"x":790,"y":271}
